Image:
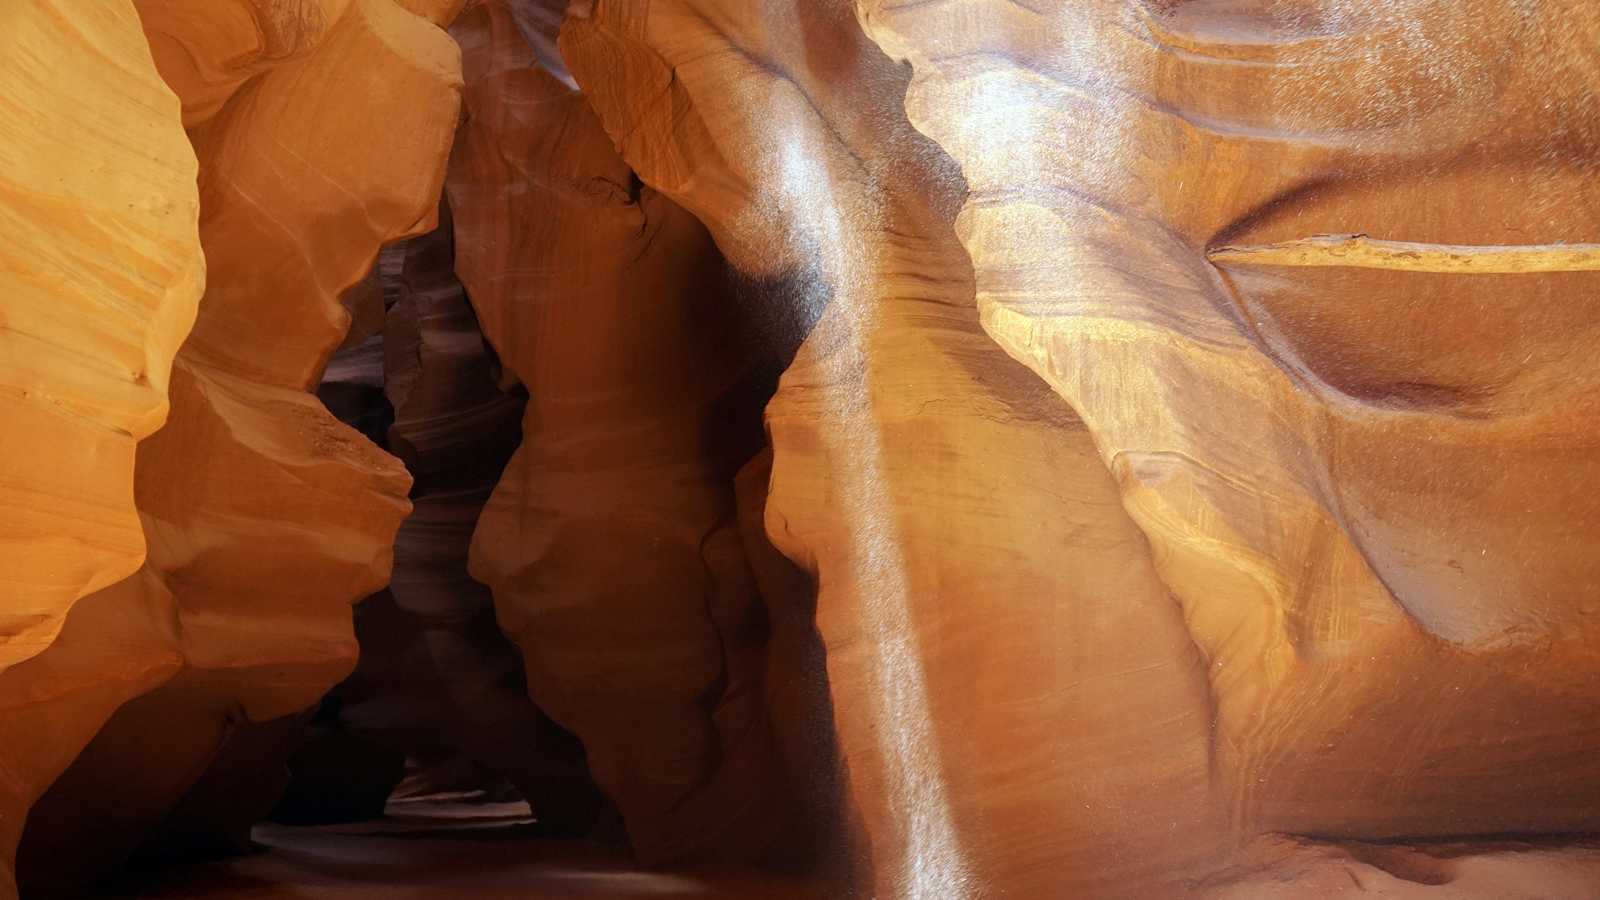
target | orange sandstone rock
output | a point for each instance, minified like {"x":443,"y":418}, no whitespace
{"x":207,"y":49}
{"x":1182,"y":488}
{"x":1357,"y":458}
{"x":437,"y":681}
{"x":1280,"y":867}
{"x":1017,"y":700}
{"x":611,"y":543}
{"x":266,"y":516}
{"x":117,"y":644}
{"x":101,"y":271}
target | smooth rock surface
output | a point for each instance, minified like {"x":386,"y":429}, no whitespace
{"x":1355,"y":461}
{"x":266,"y":517}
{"x":612,"y":543}
{"x":983,"y":595}
{"x":100,"y":271}
{"x":1178,"y":484}
{"x":437,"y":682}
{"x":118,"y":643}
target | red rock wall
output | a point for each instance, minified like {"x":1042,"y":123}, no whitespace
{"x":1176,"y":486}
{"x":1352,"y":458}
{"x":939,"y":747}
{"x":982,"y":591}
{"x":611,"y":543}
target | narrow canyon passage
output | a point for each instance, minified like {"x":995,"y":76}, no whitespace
{"x":800,"y":449}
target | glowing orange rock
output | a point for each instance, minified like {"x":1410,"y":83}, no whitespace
{"x":101,"y":272}
{"x":266,"y":516}
{"x":1306,"y":276}
{"x":1017,"y":700}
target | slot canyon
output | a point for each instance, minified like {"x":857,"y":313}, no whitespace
{"x":768,"y":449}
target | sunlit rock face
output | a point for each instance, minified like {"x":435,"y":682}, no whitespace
{"x":1359,"y":460}
{"x":1017,"y":701}
{"x":1179,"y":482}
{"x":612,"y":542}
{"x":266,"y":517}
{"x":100,"y":273}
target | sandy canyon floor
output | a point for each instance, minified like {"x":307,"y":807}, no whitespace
{"x":435,"y":849}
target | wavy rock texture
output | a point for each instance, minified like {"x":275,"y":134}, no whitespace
{"x":1354,"y":457}
{"x":982,"y":592}
{"x":207,"y":49}
{"x":266,"y":517}
{"x":612,"y":543}
{"x":437,"y":681}
{"x":1180,"y":485}
{"x":456,"y":430}
{"x":1283,"y":867}
{"x":101,"y":271}
{"x":118,"y":643}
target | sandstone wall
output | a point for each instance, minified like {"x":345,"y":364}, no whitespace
{"x":612,"y":543}
{"x":266,"y":517}
{"x":101,"y":271}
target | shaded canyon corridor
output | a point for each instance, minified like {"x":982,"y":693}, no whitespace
{"x":926,"y":449}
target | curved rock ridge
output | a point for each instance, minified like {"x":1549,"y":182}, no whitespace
{"x":612,"y":543}
{"x":118,"y":643}
{"x":101,"y":271}
{"x":266,"y":517}
{"x":207,"y":49}
{"x":456,"y":429}
{"x":982,"y":593}
{"x":1312,"y":274}
{"x":437,"y":681}
{"x":1045,"y":448}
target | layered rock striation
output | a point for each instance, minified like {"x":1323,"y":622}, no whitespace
{"x":1307,"y":273}
{"x":1176,"y":485}
{"x":101,"y":272}
{"x":437,"y":682}
{"x":612,"y":543}
{"x":266,"y":517}
{"x":982,"y":591}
